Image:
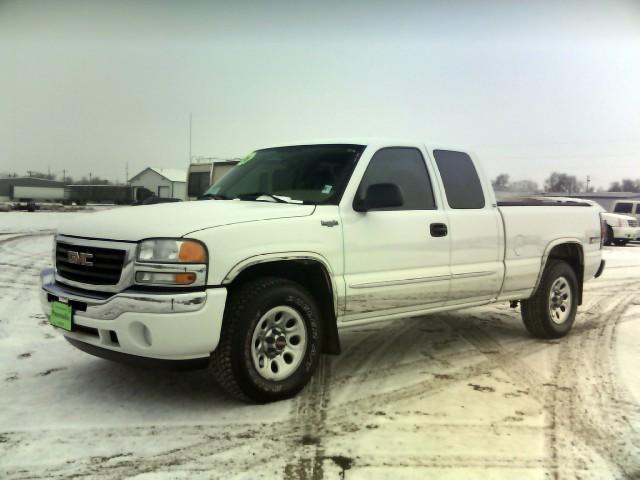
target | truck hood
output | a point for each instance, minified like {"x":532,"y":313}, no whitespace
{"x":176,"y":219}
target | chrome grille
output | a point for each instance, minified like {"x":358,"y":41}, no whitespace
{"x":632,"y":223}
{"x":105,"y":269}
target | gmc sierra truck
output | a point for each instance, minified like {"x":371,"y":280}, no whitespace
{"x":256,"y":279}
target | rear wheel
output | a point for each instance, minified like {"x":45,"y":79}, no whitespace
{"x":621,"y":242}
{"x":551,"y":311}
{"x":270,"y":341}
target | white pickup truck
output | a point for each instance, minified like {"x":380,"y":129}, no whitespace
{"x":296,"y":242}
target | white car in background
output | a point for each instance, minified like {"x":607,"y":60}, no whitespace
{"x":627,"y":207}
{"x":621,"y":229}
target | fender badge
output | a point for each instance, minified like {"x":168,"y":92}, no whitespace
{"x":329,"y":223}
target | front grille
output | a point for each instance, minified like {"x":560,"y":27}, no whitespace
{"x":106,"y":268}
{"x":632,"y":223}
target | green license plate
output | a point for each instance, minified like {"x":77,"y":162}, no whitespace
{"x":61,"y":316}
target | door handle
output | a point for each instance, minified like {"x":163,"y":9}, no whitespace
{"x":438,"y":230}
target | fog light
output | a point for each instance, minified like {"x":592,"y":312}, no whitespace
{"x":165,"y":278}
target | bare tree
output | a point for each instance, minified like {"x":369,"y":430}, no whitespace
{"x":626,"y":185}
{"x":563,"y":182}
{"x":501,"y":182}
{"x":93,"y":181}
{"x":525,"y":186}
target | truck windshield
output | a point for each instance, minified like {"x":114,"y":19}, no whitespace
{"x":315,"y":174}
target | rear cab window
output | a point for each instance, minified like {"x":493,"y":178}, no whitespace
{"x":460,"y":179}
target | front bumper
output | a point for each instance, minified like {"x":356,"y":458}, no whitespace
{"x":164,"y":326}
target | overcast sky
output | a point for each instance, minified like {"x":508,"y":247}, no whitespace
{"x":531,"y":87}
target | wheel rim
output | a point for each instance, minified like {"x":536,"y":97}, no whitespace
{"x":560,"y":300}
{"x":279,"y":343}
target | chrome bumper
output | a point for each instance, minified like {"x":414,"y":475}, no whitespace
{"x":165,"y":326}
{"x":109,"y":307}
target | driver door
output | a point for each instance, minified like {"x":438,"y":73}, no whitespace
{"x":396,"y":258}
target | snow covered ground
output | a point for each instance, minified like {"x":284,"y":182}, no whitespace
{"x":460,"y":395}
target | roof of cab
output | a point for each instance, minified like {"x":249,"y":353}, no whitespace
{"x":366,"y":141}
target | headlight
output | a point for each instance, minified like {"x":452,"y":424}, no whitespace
{"x":166,"y":250}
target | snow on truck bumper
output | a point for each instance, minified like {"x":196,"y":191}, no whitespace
{"x":131,"y":326}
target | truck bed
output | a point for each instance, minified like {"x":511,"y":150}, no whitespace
{"x":530,"y":233}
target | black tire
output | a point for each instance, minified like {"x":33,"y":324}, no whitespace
{"x":535,"y":311}
{"x":621,"y":242}
{"x":232,"y":362}
{"x":608,"y":237}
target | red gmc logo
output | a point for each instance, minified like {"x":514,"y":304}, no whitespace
{"x":80,"y":258}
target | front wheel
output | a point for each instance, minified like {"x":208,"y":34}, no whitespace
{"x":621,"y":242}
{"x":551,"y":311}
{"x":270,"y":342}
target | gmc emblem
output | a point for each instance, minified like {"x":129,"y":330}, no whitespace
{"x":80,"y":258}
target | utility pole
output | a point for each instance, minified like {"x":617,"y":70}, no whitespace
{"x":64,"y":175}
{"x":190,"y":135}
{"x":126,"y":173}
{"x":588,"y":181}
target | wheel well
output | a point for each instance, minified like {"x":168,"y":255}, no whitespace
{"x":573,"y":255}
{"x":312,"y":275}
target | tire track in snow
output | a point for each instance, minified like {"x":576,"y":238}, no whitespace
{"x":309,"y":420}
{"x":281,"y":429}
{"x":358,"y":372}
{"x":355,"y":355}
{"x":284,"y":429}
{"x":278,"y":436}
{"x":18,"y":283}
{"x":605,"y":428}
{"x":565,"y":420}
{"x":21,"y":265}
{"x":275,"y":431}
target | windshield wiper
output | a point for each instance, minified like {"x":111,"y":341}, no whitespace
{"x":213,"y":196}
{"x":256,"y":195}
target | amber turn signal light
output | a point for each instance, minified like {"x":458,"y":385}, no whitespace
{"x":192,"y":252}
{"x":185,"y":278}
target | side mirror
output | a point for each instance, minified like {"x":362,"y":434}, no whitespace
{"x":379,"y":195}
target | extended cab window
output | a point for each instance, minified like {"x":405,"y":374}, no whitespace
{"x":461,"y":182}
{"x":404,"y":167}
{"x":623,"y":207}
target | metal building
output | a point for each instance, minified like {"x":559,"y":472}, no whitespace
{"x":162,"y":182}
{"x":205,"y":171}
{"x":31,"y":188}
